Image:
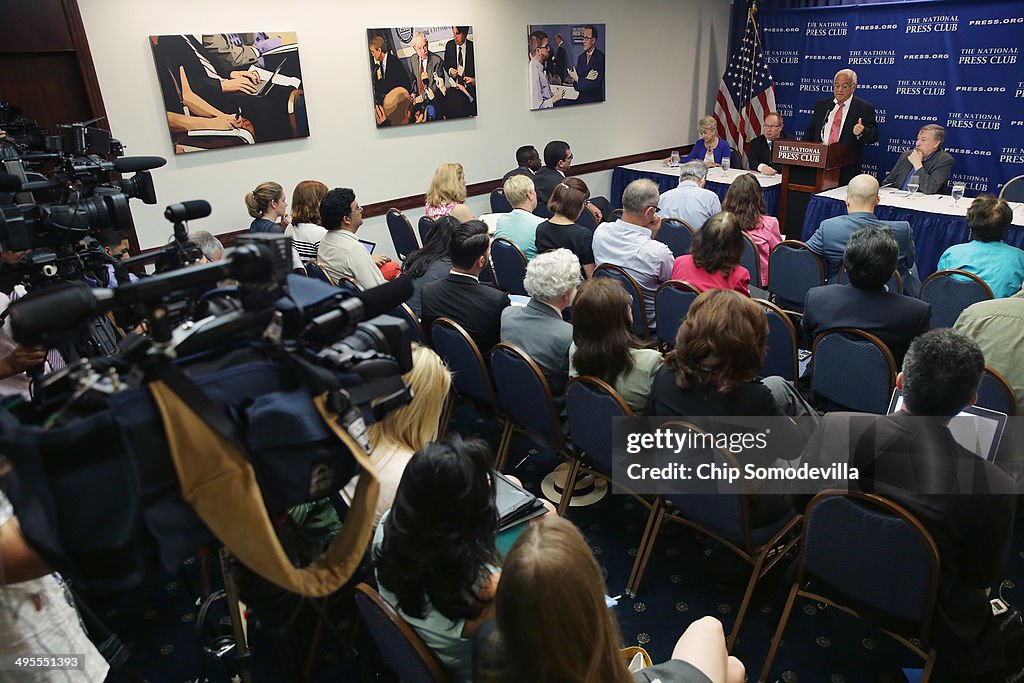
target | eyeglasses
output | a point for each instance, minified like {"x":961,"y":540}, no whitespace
{"x":358,"y":209}
{"x":843,"y":86}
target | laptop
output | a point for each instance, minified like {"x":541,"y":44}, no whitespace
{"x":370,"y":246}
{"x":977,"y":429}
{"x":268,"y":84}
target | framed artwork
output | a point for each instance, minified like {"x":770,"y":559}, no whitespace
{"x":230,"y":89}
{"x":422,"y":74}
{"x":566,"y":64}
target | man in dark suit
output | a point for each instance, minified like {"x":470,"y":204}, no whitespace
{"x":829,"y":240}
{"x":589,"y":73}
{"x":529,"y":163}
{"x":388,"y":70}
{"x":912,"y":459}
{"x":845,"y":119}
{"x":460,"y":296}
{"x":928,"y":161}
{"x":761,"y":146}
{"x":460,"y":65}
{"x":870,"y":258}
{"x":428,"y":83}
{"x":557,"y":161}
{"x":557,"y":65}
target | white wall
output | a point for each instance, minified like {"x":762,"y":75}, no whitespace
{"x":665,"y":59}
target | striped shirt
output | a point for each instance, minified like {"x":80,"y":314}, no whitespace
{"x":306,"y":239}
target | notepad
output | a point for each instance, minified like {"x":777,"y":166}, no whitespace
{"x":240,"y":133}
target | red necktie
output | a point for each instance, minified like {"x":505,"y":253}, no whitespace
{"x":837,"y":123}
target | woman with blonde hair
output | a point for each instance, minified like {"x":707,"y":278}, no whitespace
{"x":407,"y":429}
{"x":447,"y":193}
{"x":709,"y":148}
{"x":554,"y":626}
{"x":305,"y":230}
{"x":268,"y":207}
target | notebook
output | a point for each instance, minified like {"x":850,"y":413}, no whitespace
{"x":979,"y":430}
{"x":370,"y":246}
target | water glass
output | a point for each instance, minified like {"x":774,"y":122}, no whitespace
{"x":914,"y":184}
{"x":674,"y":160}
{"x":726,"y":162}
{"x":958,"y":192}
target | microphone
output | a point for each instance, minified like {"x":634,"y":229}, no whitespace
{"x":136,"y":164}
{"x":354,"y":310}
{"x":9,"y":182}
{"x":187,"y":211}
{"x":45,"y":316}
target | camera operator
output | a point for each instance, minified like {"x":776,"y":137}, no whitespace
{"x":115,"y":246}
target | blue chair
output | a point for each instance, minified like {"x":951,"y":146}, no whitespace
{"x":894,"y":285}
{"x":1013,"y":190}
{"x":853,"y":369}
{"x":877,"y":556}
{"x":641,"y":328}
{"x":592,"y":405}
{"x":498,"y":202}
{"x":405,"y":313}
{"x":751,"y":259}
{"x":402,"y":236}
{"x":316,"y":271}
{"x":995,"y":393}
{"x":508,"y":263}
{"x":721,"y":511}
{"x":587,"y":220}
{"x":400,"y":647}
{"x":950,"y":295}
{"x":792,"y":270}
{"x":677,"y":235}
{"x":526,"y":399}
{"x":782,"y":358}
{"x":672,"y":303}
{"x":425,"y":225}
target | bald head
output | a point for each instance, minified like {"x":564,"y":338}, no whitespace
{"x":862,"y":193}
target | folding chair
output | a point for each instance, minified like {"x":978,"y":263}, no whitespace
{"x":792,"y":270}
{"x":995,"y":393}
{"x":508,"y":263}
{"x":950,"y":295}
{"x":402,"y":649}
{"x":498,"y":202}
{"x":402,"y":236}
{"x":854,"y":369}
{"x":782,"y":358}
{"x":641,"y":328}
{"x":672,"y":303}
{"x":677,"y":235}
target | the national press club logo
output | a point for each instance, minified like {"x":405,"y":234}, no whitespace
{"x":875,"y":57}
{"x":899,"y":145}
{"x":1020,"y":90}
{"x":828,"y":28}
{"x":982,"y":56}
{"x":974,"y":121}
{"x":922,"y":88}
{"x":941,"y":23}
{"x":815,"y":85}
{"x":1011,"y":155}
{"x":782,"y":56}
{"x":976,"y":183}
{"x":785,"y":109}
{"x":880,"y":115}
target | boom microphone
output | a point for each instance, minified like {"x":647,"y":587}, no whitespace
{"x":187,"y":211}
{"x":45,"y":316}
{"x":365,"y":305}
{"x":136,"y":164}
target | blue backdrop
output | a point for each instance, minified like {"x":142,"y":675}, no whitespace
{"x":955,"y":63}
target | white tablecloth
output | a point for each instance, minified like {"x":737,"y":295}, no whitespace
{"x":715,"y":175}
{"x":933,"y":203}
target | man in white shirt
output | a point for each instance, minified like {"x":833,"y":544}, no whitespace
{"x":341,"y":254}
{"x":629,"y":242}
{"x":845,"y":119}
{"x":689,"y":201}
{"x":540,"y":89}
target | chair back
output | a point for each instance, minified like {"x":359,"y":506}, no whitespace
{"x":401,"y":648}
{"x":792,"y":270}
{"x":640,"y":325}
{"x":509,"y":265}
{"x":854,"y":369}
{"x":316,"y":271}
{"x":874,"y":552}
{"x":751,"y":259}
{"x":949,"y":295}
{"x":402,"y":236}
{"x":677,"y":235}
{"x":405,"y":313}
{"x":425,"y":225}
{"x":782,"y":358}
{"x":1013,"y":190}
{"x":894,"y":285}
{"x":498,"y":202}
{"x":592,"y":405}
{"x":672,"y":304}
{"x":524,"y":393}
{"x":459,"y":352}
{"x":995,"y":393}
{"x":587,"y":220}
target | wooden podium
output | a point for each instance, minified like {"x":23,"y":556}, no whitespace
{"x":807,"y":168}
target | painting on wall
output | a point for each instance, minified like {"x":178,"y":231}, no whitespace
{"x":230,"y":89}
{"x":566,"y":64}
{"x":422,"y":74}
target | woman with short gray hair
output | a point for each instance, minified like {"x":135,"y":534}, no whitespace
{"x":709,"y":148}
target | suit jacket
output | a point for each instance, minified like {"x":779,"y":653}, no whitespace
{"x":395,"y":75}
{"x":590,"y":91}
{"x":475,"y":306}
{"x":451,"y":58}
{"x":933,"y":174}
{"x":761,"y":154}
{"x":858,"y":109}
{"x":829,"y":241}
{"x":519,"y":170}
{"x":545,"y":181}
{"x":435,"y":67}
{"x":893,"y":318}
{"x":539,"y":330}
{"x":558,"y":64}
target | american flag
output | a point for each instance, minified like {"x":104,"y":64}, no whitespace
{"x":747,"y":92}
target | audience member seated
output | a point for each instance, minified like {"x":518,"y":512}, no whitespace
{"x":557,"y":161}
{"x":460,"y":296}
{"x":761,"y":146}
{"x":340,"y":252}
{"x":561,"y":231}
{"x":829,"y":240}
{"x":538,"y":328}
{"x":689,"y":201}
{"x":912,"y":458}
{"x":1000,"y":265}
{"x":447,"y":192}
{"x":553,"y":623}
{"x":211,"y":247}
{"x":603,"y":344}
{"x":520,"y":224}
{"x":430,"y":262}
{"x":928,"y":161}
{"x":709,"y":148}
{"x":745,"y":201}
{"x":406,"y":430}
{"x":528,"y":160}
{"x":864,"y":304}
{"x":713,"y":372}
{"x":305,"y":229}
{"x":629,"y":242}
{"x":714,"y":258}
{"x":434,"y":552}
{"x":997,"y":326}
{"x":268,"y":207}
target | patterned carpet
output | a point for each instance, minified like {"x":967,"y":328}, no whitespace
{"x":688,"y":577}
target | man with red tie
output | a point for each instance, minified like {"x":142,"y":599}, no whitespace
{"x":845,"y":119}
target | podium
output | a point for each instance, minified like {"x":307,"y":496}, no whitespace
{"x":807,"y":168}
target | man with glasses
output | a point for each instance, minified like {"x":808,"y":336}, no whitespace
{"x":341,"y":253}
{"x":540,"y":89}
{"x":589,"y":72}
{"x":845,"y":119}
{"x":761,"y":146}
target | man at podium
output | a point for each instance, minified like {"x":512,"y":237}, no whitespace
{"x":845,"y":119}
